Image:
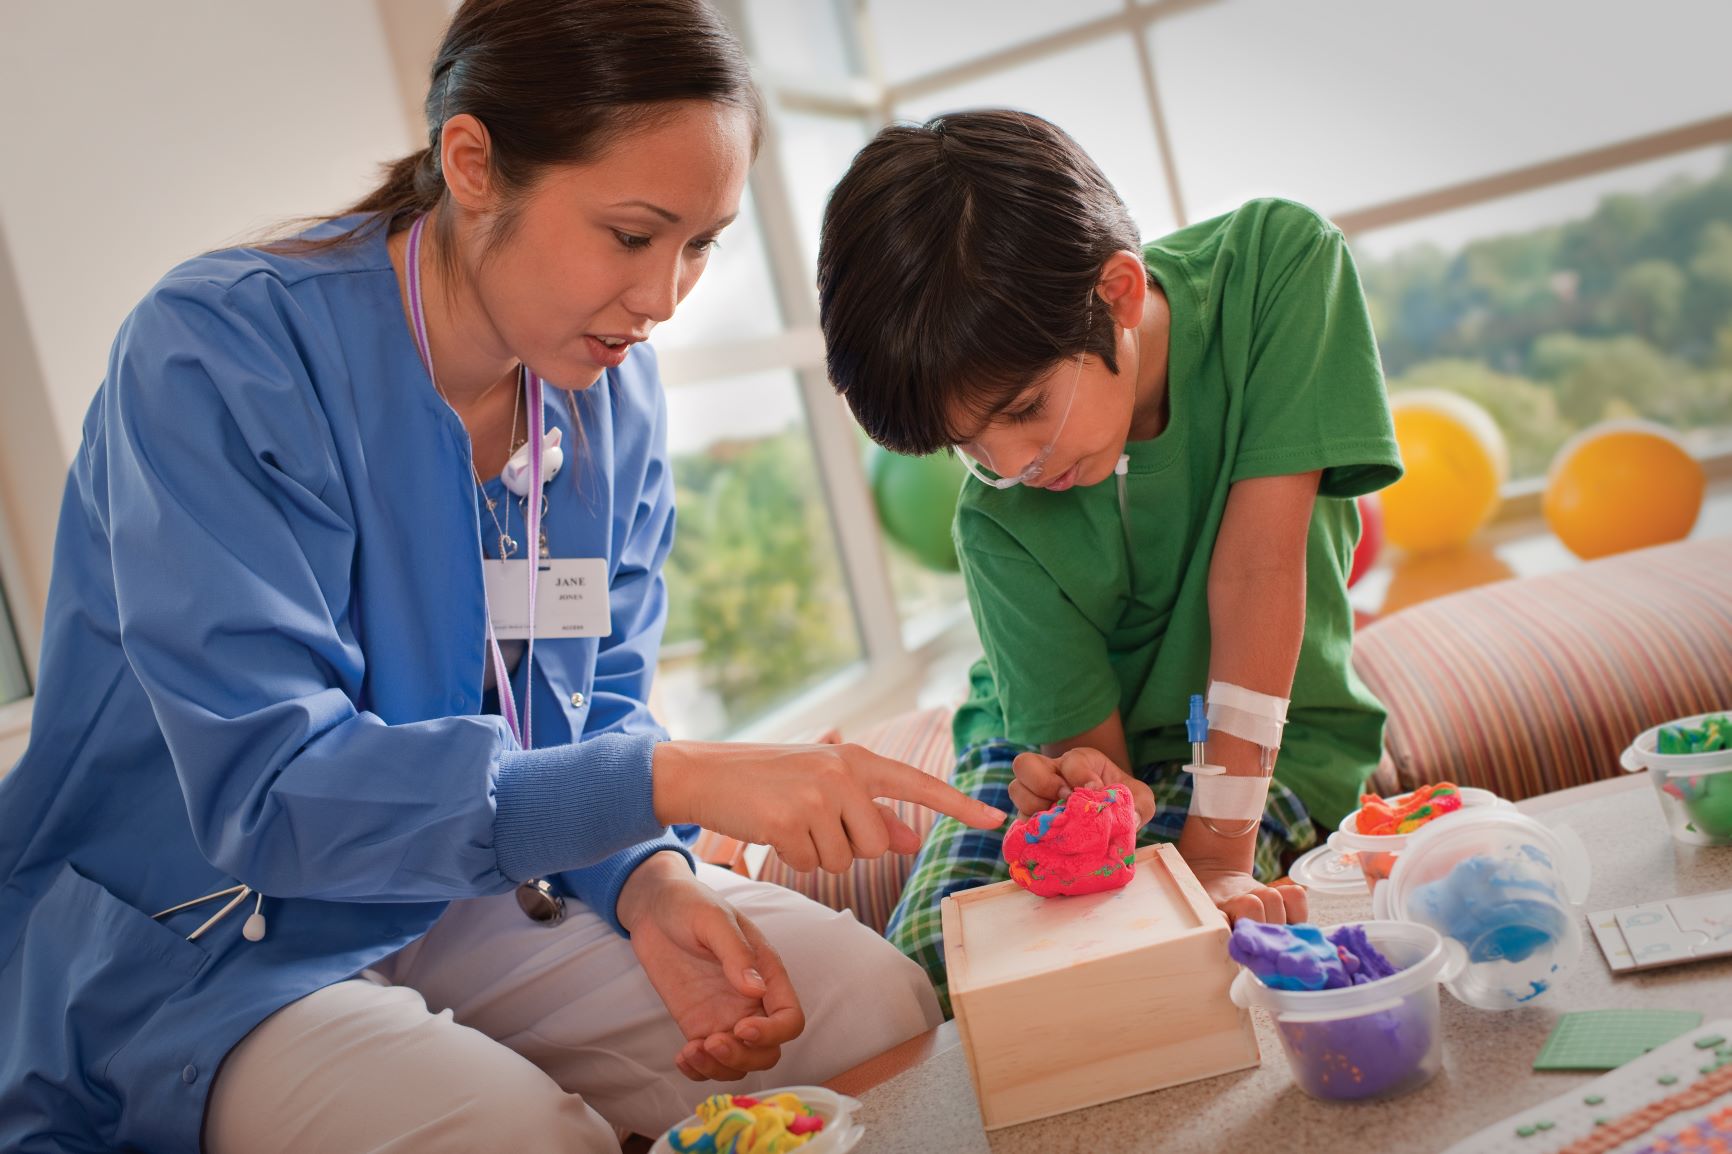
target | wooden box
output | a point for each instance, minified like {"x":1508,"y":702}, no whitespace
{"x":1069,"y":1002}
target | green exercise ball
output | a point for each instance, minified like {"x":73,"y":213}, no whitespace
{"x":916,"y":500}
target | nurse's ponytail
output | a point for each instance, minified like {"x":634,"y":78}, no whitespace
{"x":555,"y":82}
{"x":412,"y":186}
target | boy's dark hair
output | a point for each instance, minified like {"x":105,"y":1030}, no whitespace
{"x":957,"y":263}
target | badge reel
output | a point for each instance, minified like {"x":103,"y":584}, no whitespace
{"x":536,"y":899}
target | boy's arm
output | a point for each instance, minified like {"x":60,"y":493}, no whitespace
{"x":1108,"y":737}
{"x":1256,"y":622}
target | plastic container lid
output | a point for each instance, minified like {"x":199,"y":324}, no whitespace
{"x":839,"y":1135}
{"x":1327,"y":870}
{"x":1643,"y":752}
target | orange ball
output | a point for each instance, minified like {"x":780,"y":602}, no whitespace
{"x":1623,"y":485}
{"x":1455,"y":461}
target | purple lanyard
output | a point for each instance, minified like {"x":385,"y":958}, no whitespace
{"x":532,"y":389}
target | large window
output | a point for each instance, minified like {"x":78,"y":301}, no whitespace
{"x":1593,"y":300}
{"x":1540,"y":200}
{"x":759,"y":610}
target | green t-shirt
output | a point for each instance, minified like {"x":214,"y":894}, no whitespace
{"x":1272,"y":370}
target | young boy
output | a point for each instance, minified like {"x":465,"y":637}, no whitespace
{"x":1166,"y":441}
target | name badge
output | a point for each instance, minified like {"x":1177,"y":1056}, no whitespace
{"x":570,"y":596}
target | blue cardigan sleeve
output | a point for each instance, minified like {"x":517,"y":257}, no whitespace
{"x":638,"y":602}
{"x":232,"y":551}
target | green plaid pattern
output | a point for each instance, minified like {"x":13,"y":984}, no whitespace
{"x":957,"y":858}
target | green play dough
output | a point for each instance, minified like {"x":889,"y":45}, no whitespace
{"x":1711,"y":736}
{"x":1711,"y":808}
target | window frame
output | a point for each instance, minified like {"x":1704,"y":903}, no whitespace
{"x":888,"y":660}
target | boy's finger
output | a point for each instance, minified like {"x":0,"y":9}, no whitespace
{"x":1026,"y":800}
{"x":1144,"y":798}
{"x":1087,"y":769}
{"x":1298,"y":903}
{"x":1040,"y":774}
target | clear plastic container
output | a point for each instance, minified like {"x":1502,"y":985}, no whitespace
{"x":1372,"y":1041}
{"x":1325,"y":871}
{"x":1377,"y":851}
{"x":839,"y":1135}
{"x":1695,"y":789}
{"x":1507,"y":888}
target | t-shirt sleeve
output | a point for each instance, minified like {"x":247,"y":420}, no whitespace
{"x":1049,"y":663}
{"x":1314,"y":397}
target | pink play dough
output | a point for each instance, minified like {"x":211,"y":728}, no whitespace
{"x":1083,"y":845}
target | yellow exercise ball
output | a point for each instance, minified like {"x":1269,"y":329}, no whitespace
{"x":1623,"y":485}
{"x":1456,"y":461}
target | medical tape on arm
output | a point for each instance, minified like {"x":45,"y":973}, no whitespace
{"x":1256,"y":717}
{"x":1227,"y":797}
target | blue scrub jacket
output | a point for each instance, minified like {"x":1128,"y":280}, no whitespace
{"x":262,"y":663}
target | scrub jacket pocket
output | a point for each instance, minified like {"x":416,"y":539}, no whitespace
{"x":89,"y":972}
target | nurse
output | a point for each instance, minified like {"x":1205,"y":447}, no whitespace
{"x":304,"y":754}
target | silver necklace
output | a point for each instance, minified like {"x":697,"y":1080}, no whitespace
{"x":507,"y":543}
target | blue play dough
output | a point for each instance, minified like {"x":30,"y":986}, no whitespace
{"x":1497,"y":909}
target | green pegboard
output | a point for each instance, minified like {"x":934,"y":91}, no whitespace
{"x":1606,"y":1039}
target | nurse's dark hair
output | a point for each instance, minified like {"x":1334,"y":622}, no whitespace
{"x":555,"y":82}
{"x":957,"y":264}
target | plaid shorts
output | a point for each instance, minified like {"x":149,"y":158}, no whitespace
{"x":956,"y":857}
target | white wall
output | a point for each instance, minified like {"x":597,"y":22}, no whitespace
{"x":139,"y":135}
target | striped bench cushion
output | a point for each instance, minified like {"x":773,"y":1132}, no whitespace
{"x":1533,"y":685}
{"x":870,"y":888}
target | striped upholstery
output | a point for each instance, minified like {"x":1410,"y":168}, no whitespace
{"x":1519,"y":687}
{"x":1538,"y":684}
{"x":871,"y":888}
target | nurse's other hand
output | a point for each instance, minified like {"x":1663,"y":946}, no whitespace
{"x":815,"y":804}
{"x":1041,"y":782}
{"x":719,"y":979}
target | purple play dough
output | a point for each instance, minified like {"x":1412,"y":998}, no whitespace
{"x":1299,"y":957}
{"x":1364,"y":961}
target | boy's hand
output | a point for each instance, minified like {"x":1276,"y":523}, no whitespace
{"x":1042,"y":782}
{"x":1239,"y":895}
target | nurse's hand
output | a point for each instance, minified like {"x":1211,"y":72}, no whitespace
{"x":720,"y":980}
{"x":815,"y":804}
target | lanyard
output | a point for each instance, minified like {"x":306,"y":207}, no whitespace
{"x":532,"y":386}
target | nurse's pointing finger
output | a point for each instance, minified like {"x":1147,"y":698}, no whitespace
{"x":894,"y":779}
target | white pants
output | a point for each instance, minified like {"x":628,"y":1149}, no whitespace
{"x":499,"y":1033}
